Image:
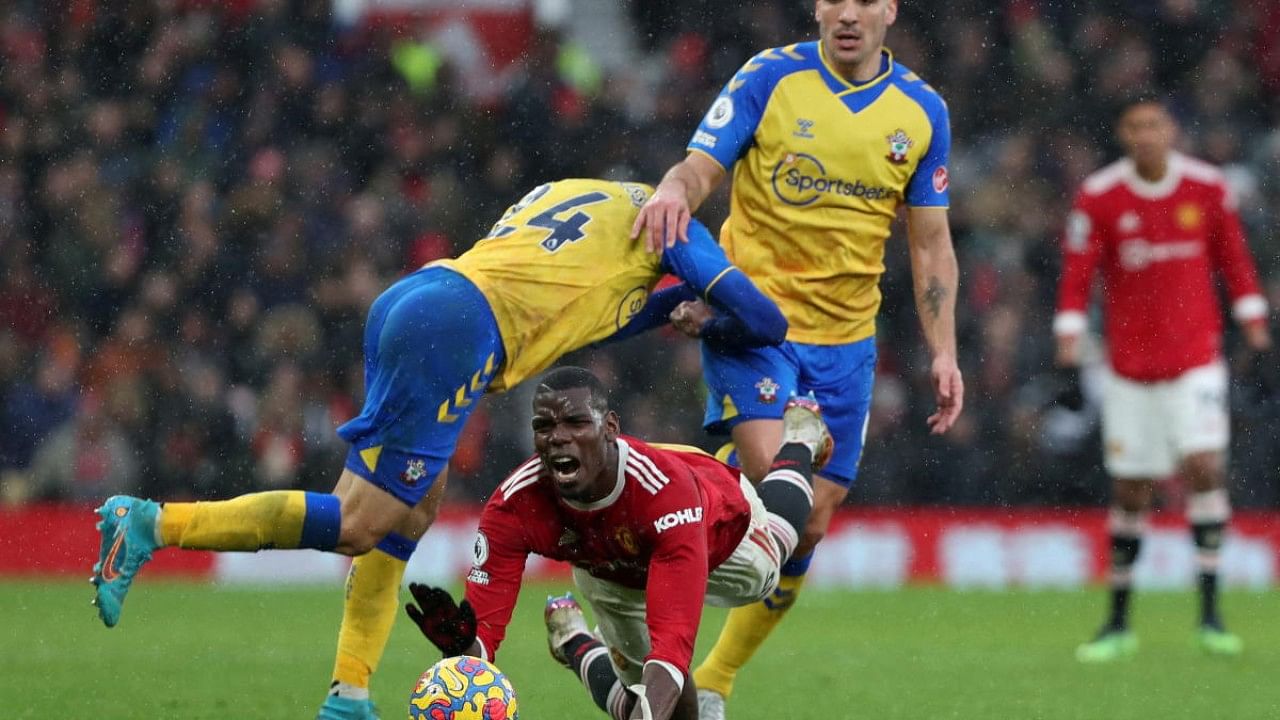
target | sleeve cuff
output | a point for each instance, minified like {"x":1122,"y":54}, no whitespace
{"x":675,"y":672}
{"x":1070,"y":322}
{"x":691,"y":150}
{"x":1249,"y":307}
{"x":484,"y":651}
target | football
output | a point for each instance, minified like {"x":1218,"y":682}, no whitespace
{"x":463,"y":688}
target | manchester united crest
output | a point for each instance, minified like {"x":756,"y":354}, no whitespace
{"x":899,"y":144}
{"x":1188,"y":217}
{"x":627,"y":540}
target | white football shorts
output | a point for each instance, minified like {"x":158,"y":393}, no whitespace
{"x":748,"y":575}
{"x":1148,"y":428}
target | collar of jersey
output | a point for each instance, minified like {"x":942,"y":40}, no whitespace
{"x":886,"y":63}
{"x":623,"y":451}
{"x":1161,"y":188}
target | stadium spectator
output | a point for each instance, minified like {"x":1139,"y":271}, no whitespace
{"x":652,"y":533}
{"x":87,"y":456}
{"x":1157,"y":225}
{"x":814,"y":199}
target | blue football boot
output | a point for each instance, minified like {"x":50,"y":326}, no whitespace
{"x":128,"y":530}
{"x":340,"y":708}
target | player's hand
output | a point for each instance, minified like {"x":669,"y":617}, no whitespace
{"x":1069,"y":394}
{"x":664,"y":219}
{"x":1257,"y":336}
{"x":689,"y":317}
{"x":948,"y":389}
{"x":450,"y":627}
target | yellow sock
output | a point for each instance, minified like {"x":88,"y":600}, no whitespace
{"x":373,"y":600}
{"x":743,"y":633}
{"x":174,"y":518}
{"x":249,"y":522}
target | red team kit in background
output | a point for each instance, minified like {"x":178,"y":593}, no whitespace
{"x":1156,"y":245}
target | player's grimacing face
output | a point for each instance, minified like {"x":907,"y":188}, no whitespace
{"x":1147,"y":132}
{"x":572,"y":440}
{"x":853,"y":31}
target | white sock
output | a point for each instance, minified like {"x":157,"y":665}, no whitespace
{"x":156,"y":529}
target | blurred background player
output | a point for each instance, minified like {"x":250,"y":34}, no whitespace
{"x":557,"y":272}
{"x":826,"y":141}
{"x":1158,"y":224}
{"x":652,"y":532}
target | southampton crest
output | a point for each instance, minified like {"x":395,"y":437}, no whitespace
{"x":899,"y":144}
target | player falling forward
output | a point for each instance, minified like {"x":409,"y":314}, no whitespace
{"x":826,"y":140}
{"x":652,"y":533}
{"x":557,"y":272}
{"x":1157,"y":224}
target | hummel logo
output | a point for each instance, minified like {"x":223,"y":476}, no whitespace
{"x":568,"y":537}
{"x":805,"y":127}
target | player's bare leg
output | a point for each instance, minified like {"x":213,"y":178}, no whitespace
{"x":757,"y":442}
{"x":1208,"y":510}
{"x":370,"y":607}
{"x":1126,"y":524}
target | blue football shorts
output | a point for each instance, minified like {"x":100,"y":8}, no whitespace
{"x":431,"y":346}
{"x":755,"y":385}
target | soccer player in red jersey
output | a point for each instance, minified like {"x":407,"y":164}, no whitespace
{"x":1157,"y":224}
{"x":652,"y":533}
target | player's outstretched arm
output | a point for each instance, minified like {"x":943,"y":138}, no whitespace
{"x":936,"y":278}
{"x":665,"y":217}
{"x":656,"y":312}
{"x":745,"y":317}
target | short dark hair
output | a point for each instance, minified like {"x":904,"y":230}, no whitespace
{"x":571,"y":377}
{"x":1144,"y":97}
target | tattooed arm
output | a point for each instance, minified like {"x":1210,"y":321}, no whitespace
{"x":936,"y":278}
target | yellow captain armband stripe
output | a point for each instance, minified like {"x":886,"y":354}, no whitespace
{"x":677,"y":447}
{"x":706,"y":294}
{"x":709,"y":156}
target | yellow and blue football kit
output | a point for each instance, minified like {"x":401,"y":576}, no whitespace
{"x":557,"y":272}
{"x":820,"y":167}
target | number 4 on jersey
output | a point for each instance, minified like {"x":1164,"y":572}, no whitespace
{"x":568,"y":229}
{"x":563,"y":229}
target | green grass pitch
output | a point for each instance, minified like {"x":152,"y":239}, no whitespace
{"x":200,"y":651}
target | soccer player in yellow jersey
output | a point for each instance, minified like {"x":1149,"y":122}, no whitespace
{"x":825,"y":140}
{"x":558,"y":271}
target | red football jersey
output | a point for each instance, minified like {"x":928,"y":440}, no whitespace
{"x":1157,"y":245}
{"x":673,"y":516}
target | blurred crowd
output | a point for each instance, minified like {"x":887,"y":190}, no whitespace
{"x":199,"y":200}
